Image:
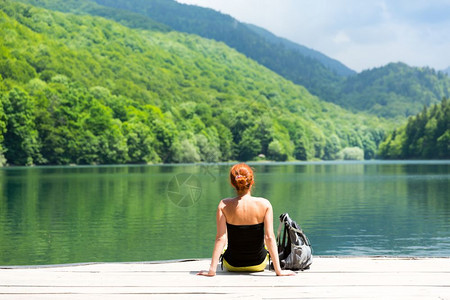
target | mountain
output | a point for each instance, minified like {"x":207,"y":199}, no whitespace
{"x":375,"y":91}
{"x":284,"y":60}
{"x":332,"y":64}
{"x":393,"y":91}
{"x":364,"y":92}
{"x":86,"y":90}
{"x":255,"y":43}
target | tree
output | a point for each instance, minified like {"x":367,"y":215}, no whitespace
{"x":166,"y":135}
{"x":443,"y":145}
{"x":276,"y":151}
{"x":186,"y":152}
{"x":332,"y":147}
{"x":248,"y":147}
{"x":21,"y":137}
{"x":351,"y":153}
{"x":139,"y":143}
{"x":2,"y":132}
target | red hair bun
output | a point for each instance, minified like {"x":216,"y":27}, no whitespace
{"x":241,"y":177}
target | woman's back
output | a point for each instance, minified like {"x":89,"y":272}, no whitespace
{"x":245,"y":229}
{"x":246,"y":210}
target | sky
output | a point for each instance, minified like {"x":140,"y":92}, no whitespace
{"x":362,"y":34}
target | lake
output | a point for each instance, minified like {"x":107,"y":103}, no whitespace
{"x":55,"y":215}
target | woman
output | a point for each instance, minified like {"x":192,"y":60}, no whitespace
{"x":246,"y":222}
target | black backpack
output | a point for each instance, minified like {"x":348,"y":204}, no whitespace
{"x":294,"y":249}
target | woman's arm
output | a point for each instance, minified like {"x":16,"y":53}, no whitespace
{"x":221,"y":240}
{"x":271,"y":244}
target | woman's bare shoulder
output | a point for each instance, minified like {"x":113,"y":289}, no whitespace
{"x":225,"y":201}
{"x":263,"y":201}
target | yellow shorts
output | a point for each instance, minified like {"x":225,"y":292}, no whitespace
{"x":257,"y":268}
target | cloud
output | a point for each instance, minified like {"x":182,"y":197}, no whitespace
{"x":360,"y":34}
{"x":341,"y":38}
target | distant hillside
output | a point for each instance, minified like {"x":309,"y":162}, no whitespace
{"x":395,"y":90}
{"x":85,"y":90}
{"x":334,"y":65}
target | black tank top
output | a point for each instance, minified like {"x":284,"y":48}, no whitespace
{"x":245,"y":245}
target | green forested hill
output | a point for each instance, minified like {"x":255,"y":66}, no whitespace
{"x":395,"y":90}
{"x":88,"y":7}
{"x":319,"y":79}
{"x":304,"y":69}
{"x":82,"y":89}
{"x":425,"y":136}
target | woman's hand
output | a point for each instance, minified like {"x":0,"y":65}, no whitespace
{"x":286,"y":273}
{"x":207,"y":273}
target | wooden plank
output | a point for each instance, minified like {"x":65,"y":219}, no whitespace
{"x":328,"y":278}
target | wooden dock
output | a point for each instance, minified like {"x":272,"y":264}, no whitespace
{"x":328,"y":278}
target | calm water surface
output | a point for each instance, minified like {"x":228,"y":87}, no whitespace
{"x":138,"y":213}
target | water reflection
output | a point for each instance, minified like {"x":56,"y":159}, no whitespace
{"x":125,"y":213}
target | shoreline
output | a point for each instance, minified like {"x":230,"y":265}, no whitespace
{"x":256,"y":162}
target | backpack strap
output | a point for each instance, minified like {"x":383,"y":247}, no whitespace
{"x":300,"y":232}
{"x":285,"y":236}
{"x":279,"y":233}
